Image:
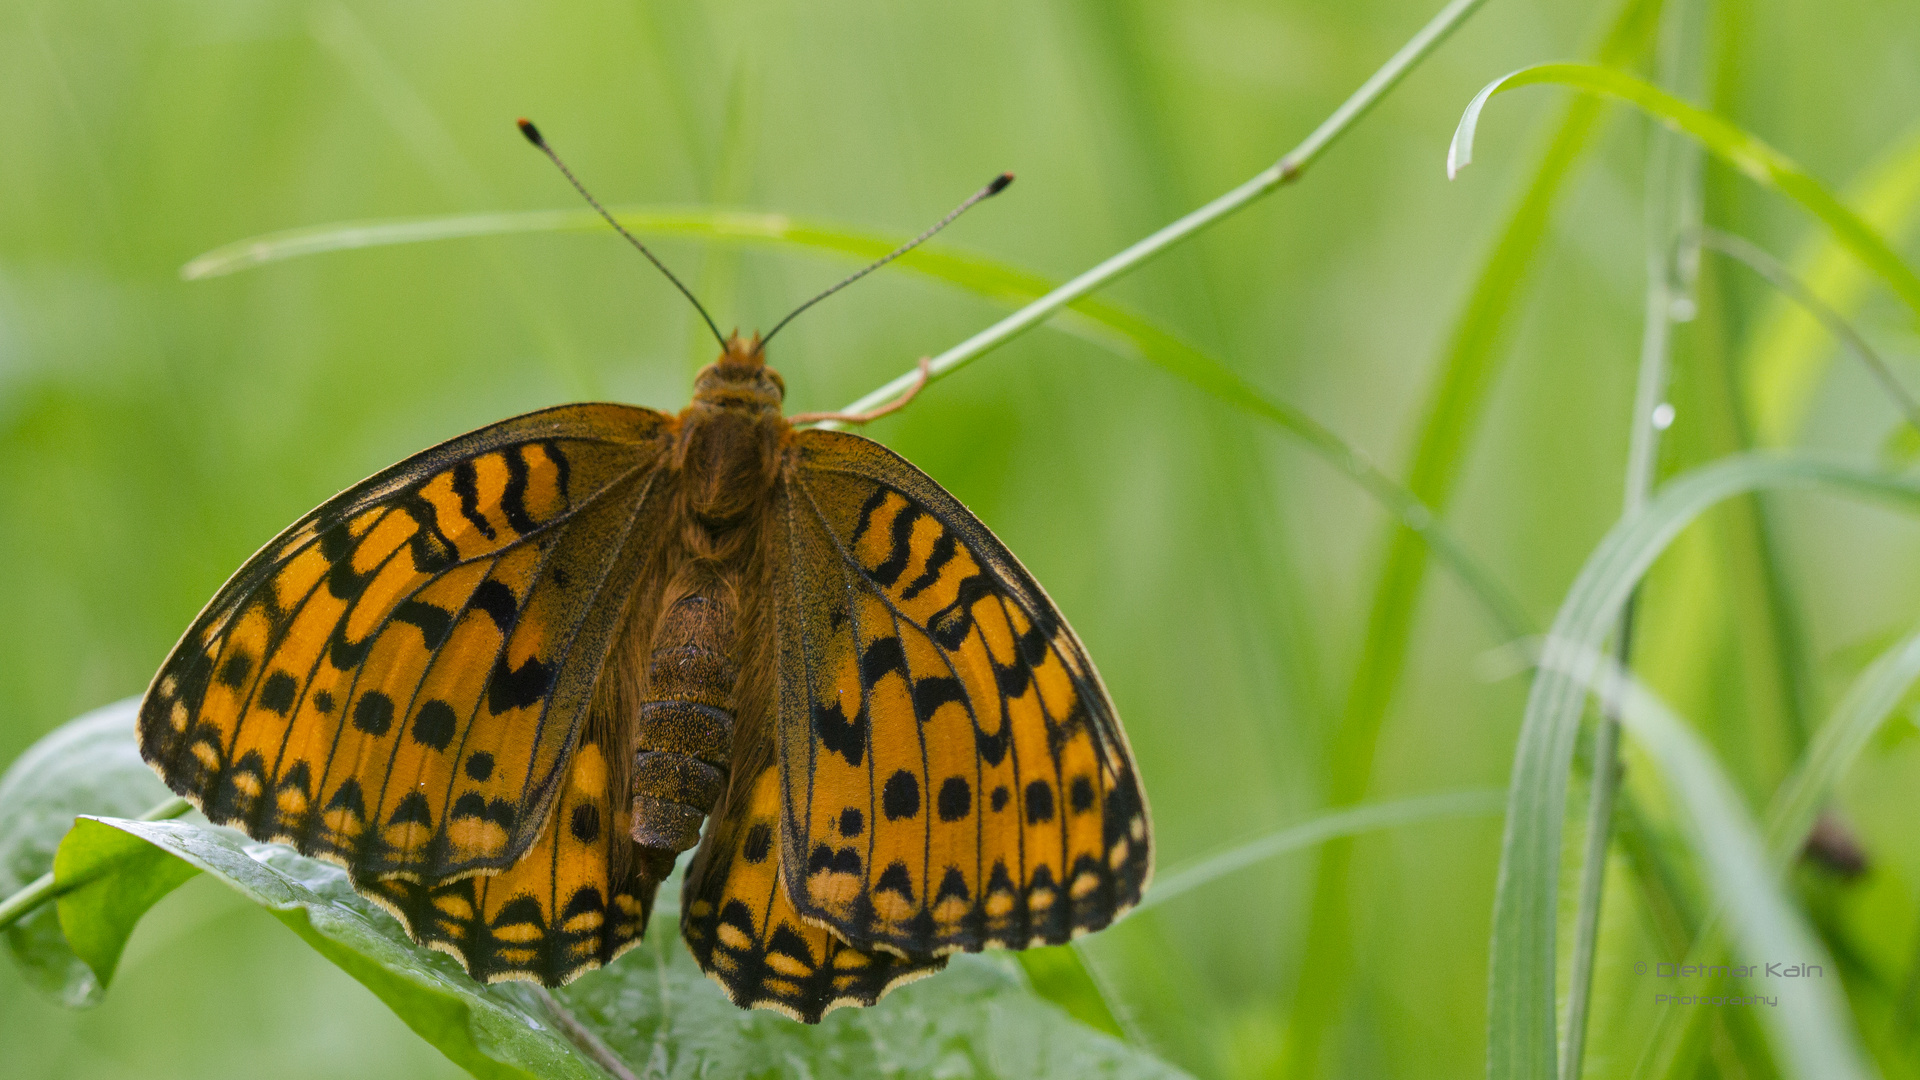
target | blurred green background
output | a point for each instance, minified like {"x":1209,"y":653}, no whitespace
{"x":154,"y":432}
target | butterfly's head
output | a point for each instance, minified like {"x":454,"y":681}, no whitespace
{"x":740,"y":378}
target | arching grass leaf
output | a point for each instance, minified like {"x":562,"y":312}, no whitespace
{"x":1808,"y":1024}
{"x":1521,"y":1025}
{"x":1760,"y":162}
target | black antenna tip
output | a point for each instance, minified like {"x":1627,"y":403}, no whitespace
{"x":533,"y":134}
{"x":999,"y":182}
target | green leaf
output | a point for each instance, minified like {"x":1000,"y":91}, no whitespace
{"x":656,"y":1010}
{"x":1761,"y":163}
{"x":88,"y":766}
{"x":481,"y":1029}
{"x":1521,"y":1013}
{"x":107,"y":880}
{"x":1808,"y":1028}
{"x":653,"y":1009}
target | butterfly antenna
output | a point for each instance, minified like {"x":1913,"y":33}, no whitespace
{"x":998,"y":185}
{"x":533,"y":136}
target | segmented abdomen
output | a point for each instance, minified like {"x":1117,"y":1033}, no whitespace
{"x":684,"y":741}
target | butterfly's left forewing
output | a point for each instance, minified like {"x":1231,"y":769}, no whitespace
{"x":953,"y":775}
{"x":401,"y":681}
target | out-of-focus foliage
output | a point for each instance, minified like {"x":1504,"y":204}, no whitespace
{"x":153,"y":431}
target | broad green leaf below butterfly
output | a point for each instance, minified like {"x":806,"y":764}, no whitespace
{"x":505,"y":682}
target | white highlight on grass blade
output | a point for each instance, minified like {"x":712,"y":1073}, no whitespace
{"x":1731,"y":144}
{"x":1662,"y":417}
{"x":1460,"y":149}
{"x":1810,"y":1034}
{"x":1366,"y":817}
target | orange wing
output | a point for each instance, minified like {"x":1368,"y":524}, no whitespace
{"x":397,"y":682}
{"x":738,"y":923}
{"x":573,"y":902}
{"x":952,"y":771}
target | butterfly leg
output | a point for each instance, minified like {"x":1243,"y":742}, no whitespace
{"x":926,"y":373}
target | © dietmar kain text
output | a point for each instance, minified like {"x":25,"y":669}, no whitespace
{"x":1779,"y":970}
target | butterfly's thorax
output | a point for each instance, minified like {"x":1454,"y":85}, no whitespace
{"x":726,"y":457}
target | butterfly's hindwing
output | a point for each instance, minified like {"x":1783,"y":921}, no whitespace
{"x":740,"y":926}
{"x":953,"y":773}
{"x":574,"y":901}
{"x":396,"y":682}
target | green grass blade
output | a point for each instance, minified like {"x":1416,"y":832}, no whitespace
{"x":1468,"y":370}
{"x":1869,"y":702}
{"x":1760,"y":162}
{"x":1097,"y":320}
{"x":1521,"y":1019}
{"x":1351,"y":821}
{"x":1809,"y":1030}
{"x":1789,"y":348}
{"x":1830,"y":321}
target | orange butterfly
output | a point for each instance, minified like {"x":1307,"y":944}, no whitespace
{"x":505,"y":681}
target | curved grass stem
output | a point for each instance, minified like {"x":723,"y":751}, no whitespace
{"x":1284,"y":171}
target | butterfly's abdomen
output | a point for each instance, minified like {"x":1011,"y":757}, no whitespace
{"x":684,"y":741}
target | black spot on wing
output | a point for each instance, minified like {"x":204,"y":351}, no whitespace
{"x":1081,"y":794}
{"x":848,"y":738}
{"x":931,"y":693}
{"x":900,"y":798}
{"x":956,"y":799}
{"x":513,"y":501}
{"x":466,"y":485}
{"x":516,"y":688}
{"x":495,"y":597}
{"x":430,"y":549}
{"x":759,"y":843}
{"x":943,"y":551}
{"x":951,"y":624}
{"x":234,"y":672}
{"x":519,"y":911}
{"x":343,"y":653}
{"x":882,"y":657}
{"x":433,"y":622}
{"x":348,"y":797}
{"x":480,"y":765}
{"x":952,"y":886}
{"x":901,"y":551}
{"x":585,"y":823}
{"x":895,"y":879}
{"x":1039,"y":802}
{"x":373,"y":713}
{"x":279,"y":692}
{"x":413,"y":810}
{"x":435,"y":724}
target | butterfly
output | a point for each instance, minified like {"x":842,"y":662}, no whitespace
{"x":506,"y":681}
